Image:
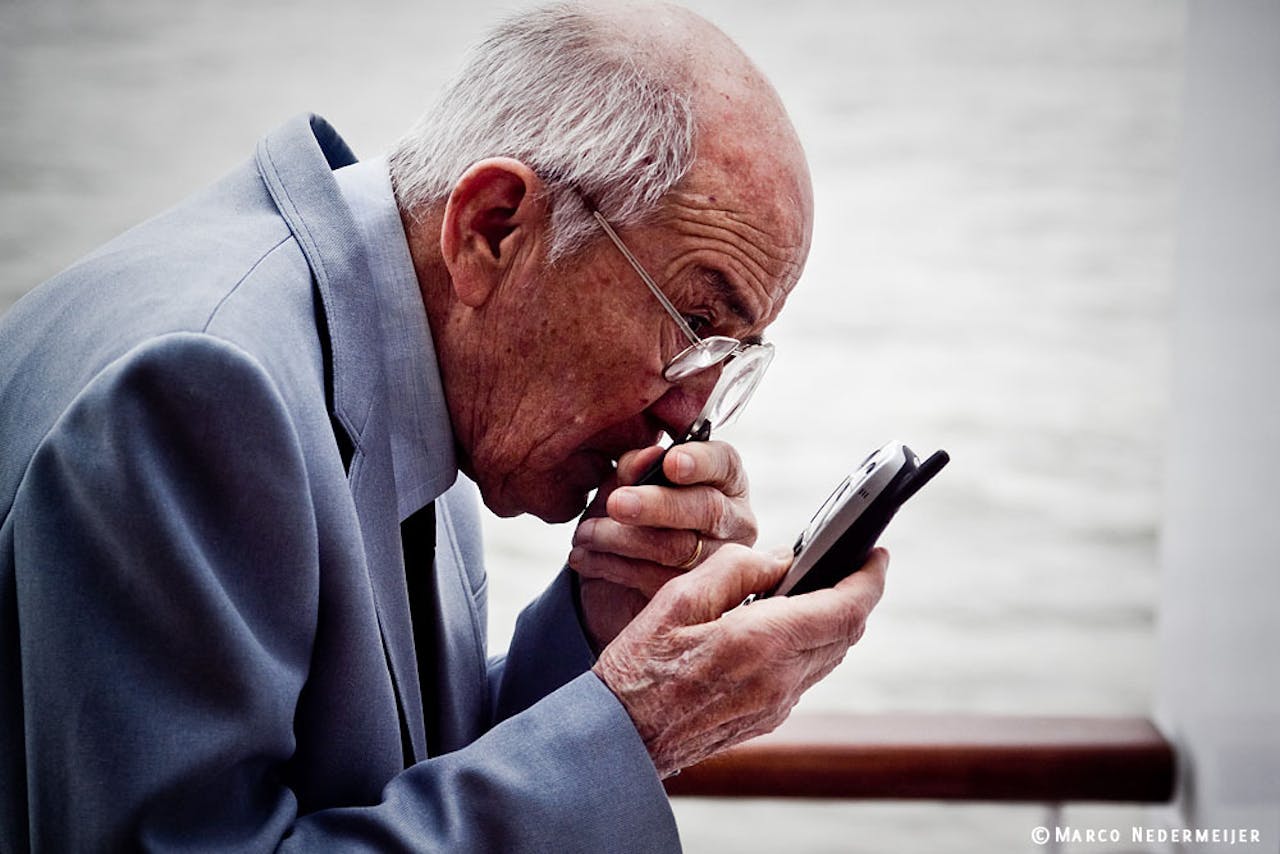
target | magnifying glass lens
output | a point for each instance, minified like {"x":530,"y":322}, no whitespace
{"x":738,"y":381}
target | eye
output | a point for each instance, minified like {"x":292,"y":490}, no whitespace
{"x":697,"y":323}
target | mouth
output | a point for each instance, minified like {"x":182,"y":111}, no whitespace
{"x":596,"y":460}
{"x":602,"y":465}
{"x":587,"y":468}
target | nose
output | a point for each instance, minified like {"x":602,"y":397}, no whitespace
{"x":680,"y":405}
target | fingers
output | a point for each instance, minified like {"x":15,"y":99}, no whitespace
{"x":730,"y":575}
{"x":642,"y":537}
{"x":672,"y":548}
{"x":866,"y":586}
{"x":712,"y":463}
{"x":643,"y":559}
{"x":632,"y":464}
{"x":642,"y":576}
{"x":695,"y":679}
{"x":712,"y":497}
{"x":833,"y":616}
{"x":697,"y":508}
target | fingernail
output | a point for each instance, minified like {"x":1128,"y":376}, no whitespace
{"x":684,"y":465}
{"x":626,"y":504}
{"x":781,"y":554}
{"x":576,"y":556}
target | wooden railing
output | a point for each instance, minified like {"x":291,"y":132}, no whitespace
{"x":1050,"y":760}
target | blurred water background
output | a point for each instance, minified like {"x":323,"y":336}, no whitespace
{"x":991,"y":274}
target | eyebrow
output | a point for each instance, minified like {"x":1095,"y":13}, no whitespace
{"x":731,"y":295}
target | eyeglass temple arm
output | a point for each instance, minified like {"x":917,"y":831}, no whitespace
{"x":640,"y":271}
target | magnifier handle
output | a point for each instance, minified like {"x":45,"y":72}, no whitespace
{"x":653,"y":476}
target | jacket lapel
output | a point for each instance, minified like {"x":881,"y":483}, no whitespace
{"x":296,"y":164}
{"x":460,"y":698}
{"x":373,"y":489}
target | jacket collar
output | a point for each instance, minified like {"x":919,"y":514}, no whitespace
{"x":296,"y":163}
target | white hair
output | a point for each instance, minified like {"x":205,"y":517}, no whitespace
{"x":555,"y":90}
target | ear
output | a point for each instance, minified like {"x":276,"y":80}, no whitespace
{"x":494,"y":217}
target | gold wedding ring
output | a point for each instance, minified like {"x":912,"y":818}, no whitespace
{"x":692,"y":559}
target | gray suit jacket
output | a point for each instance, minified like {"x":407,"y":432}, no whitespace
{"x":204,"y":628}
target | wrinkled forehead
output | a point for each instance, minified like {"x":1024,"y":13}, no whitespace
{"x":763,"y":187}
{"x":747,"y":148}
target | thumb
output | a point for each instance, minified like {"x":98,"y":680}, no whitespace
{"x":724,"y":580}
{"x":632,"y":464}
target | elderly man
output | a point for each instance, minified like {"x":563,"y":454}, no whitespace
{"x":242,"y":599}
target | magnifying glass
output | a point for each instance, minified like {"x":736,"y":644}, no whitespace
{"x":738,"y":381}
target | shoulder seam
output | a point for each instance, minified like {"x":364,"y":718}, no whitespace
{"x":214,"y":313}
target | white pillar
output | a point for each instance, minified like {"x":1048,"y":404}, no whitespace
{"x":1219,"y":687}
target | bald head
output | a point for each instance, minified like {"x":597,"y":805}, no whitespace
{"x":739,"y":120}
{"x":617,"y":102}
{"x":686,"y":50}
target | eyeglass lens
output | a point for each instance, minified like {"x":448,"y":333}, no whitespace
{"x":692,"y":360}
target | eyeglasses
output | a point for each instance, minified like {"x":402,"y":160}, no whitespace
{"x":744,"y":364}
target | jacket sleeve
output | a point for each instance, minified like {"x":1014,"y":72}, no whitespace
{"x":167,"y":591}
{"x":548,"y":649}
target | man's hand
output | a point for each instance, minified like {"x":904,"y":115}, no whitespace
{"x":698,"y":674}
{"x":634,"y":539}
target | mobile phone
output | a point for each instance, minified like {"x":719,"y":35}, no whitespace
{"x":842,"y":533}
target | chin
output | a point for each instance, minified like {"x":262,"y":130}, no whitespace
{"x":558,"y":495}
{"x":552,"y":503}
{"x":563,"y":513}
{"x":549,"y":509}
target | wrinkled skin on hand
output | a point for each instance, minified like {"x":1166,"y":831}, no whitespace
{"x":633,"y":539}
{"x":697,"y":674}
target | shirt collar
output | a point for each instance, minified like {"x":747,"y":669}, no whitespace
{"x":422,"y":440}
